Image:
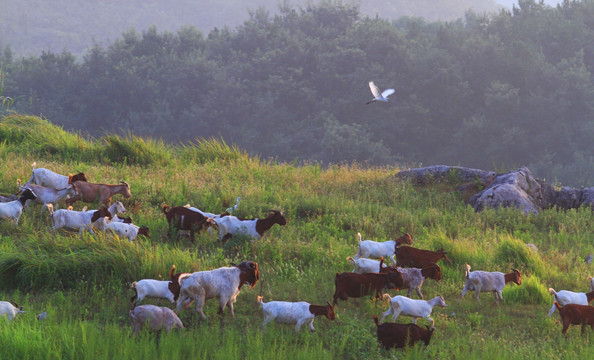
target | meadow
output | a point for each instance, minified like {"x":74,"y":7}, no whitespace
{"x":83,"y":282}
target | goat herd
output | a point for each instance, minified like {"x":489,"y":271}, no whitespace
{"x":370,"y":276}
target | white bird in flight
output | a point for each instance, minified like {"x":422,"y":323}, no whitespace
{"x":377,"y":96}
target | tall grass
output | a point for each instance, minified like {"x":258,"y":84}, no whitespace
{"x":83,"y":282}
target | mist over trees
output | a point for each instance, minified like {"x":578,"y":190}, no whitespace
{"x":488,"y":91}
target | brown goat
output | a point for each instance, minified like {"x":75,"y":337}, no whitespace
{"x":393,"y":335}
{"x":100,"y":193}
{"x":358,"y":285}
{"x":174,"y":284}
{"x":408,"y":256}
{"x":77,"y":177}
{"x":574,"y":314}
{"x":183,"y":218}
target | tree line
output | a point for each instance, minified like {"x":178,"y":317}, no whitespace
{"x":492,"y":91}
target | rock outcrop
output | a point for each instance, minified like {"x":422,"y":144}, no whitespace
{"x":517,"y":188}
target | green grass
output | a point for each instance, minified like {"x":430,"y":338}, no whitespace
{"x":82,"y":282}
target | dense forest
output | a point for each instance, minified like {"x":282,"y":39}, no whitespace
{"x":32,"y":26}
{"x":491,"y":91}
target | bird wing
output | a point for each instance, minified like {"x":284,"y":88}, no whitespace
{"x":374,"y":89}
{"x":387,"y":92}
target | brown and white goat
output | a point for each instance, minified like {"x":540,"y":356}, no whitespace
{"x":298,"y":313}
{"x":393,"y":335}
{"x":376,"y":250}
{"x":155,"y":317}
{"x":182,"y":218}
{"x":408,"y":256}
{"x":414,"y":278}
{"x":358,"y":285}
{"x":574,"y":314}
{"x":254,"y":228}
{"x":488,"y":281}
{"x":100,"y":193}
{"x":48,"y":178}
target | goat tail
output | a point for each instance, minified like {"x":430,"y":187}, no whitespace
{"x":467,"y":272}
{"x":359,"y":236}
{"x":350,"y":258}
{"x":376,"y":320}
{"x":171,"y":271}
{"x":50,"y":208}
{"x":165,"y":207}
{"x":259,"y":300}
{"x":386,"y":296}
{"x":34,"y":165}
{"x":552,"y":292}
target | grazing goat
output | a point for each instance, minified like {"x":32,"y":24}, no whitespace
{"x":392,"y":335}
{"x":14,"y":209}
{"x":223,"y":283}
{"x":408,"y":256}
{"x":413,"y":278}
{"x":81,"y":220}
{"x":297,"y":313}
{"x":411,"y":307}
{"x":365,"y":266}
{"x":159,"y":289}
{"x":157,"y":318}
{"x":129,"y":231}
{"x":575,"y":314}
{"x":100,"y":193}
{"x":254,"y":228}
{"x":47,"y":195}
{"x":374,"y":249}
{"x":485,"y":281}
{"x":565,"y":297}
{"x":358,"y":285}
{"x":183,"y":218}
{"x":9,"y":310}
{"x":48,"y":178}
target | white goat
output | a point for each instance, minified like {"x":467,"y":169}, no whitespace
{"x":412,"y":307}
{"x":223,"y":283}
{"x":297,"y":313}
{"x":9,"y":310}
{"x":158,"y":289}
{"x":82,"y":220}
{"x":376,"y":250}
{"x":364,"y":265}
{"x":13,"y":209}
{"x":485,"y":281}
{"x":48,"y":178}
{"x":565,"y":297}
{"x":48,"y":195}
{"x":254,"y":228}
{"x":157,"y":318}
{"x":129,"y":231}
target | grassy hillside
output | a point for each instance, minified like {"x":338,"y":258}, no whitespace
{"x":83,"y":282}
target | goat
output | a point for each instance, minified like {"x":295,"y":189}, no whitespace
{"x":157,"y":318}
{"x":81,"y":220}
{"x":14,"y":209}
{"x":254,"y":228}
{"x":223,"y":283}
{"x":575,"y":314}
{"x":357,"y":285}
{"x":185,"y":219}
{"x":159,"y":289}
{"x":129,"y":231}
{"x":297,"y":313}
{"x":392,"y":335}
{"x":364,"y":266}
{"x":565,"y":297}
{"x":374,"y":249}
{"x":10,"y":310}
{"x":101,"y":193}
{"x":411,"y":307}
{"x":48,"y":178}
{"x":48,"y":195}
{"x":408,"y":256}
{"x":413,"y":278}
{"x":485,"y":281}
